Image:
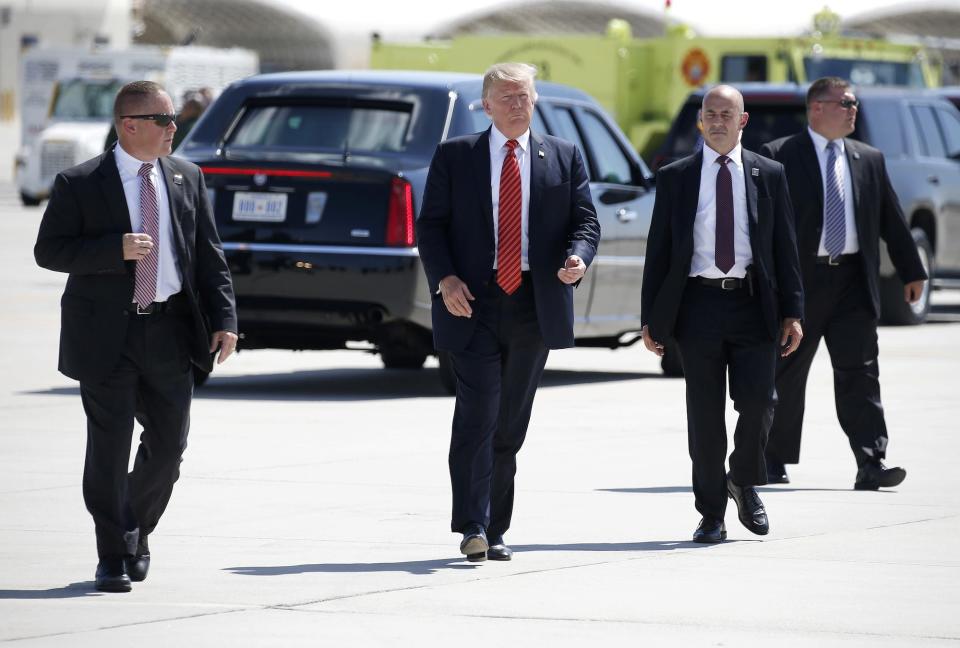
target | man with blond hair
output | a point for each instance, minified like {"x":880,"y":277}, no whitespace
{"x":507,"y":228}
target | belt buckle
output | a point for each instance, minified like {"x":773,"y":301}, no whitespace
{"x":144,"y":311}
{"x":833,"y":261}
{"x":723,"y":283}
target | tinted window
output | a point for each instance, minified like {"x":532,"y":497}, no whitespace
{"x":950,"y":125}
{"x":741,"y":68}
{"x":325,"y":127}
{"x":85,"y":99}
{"x":567,"y":127}
{"x":866,"y":73}
{"x":608,"y":158}
{"x":883,"y":128}
{"x":930,"y":142}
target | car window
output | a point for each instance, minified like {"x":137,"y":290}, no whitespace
{"x":881,"y":121}
{"x":567,"y":127}
{"x":741,"y":68}
{"x":608,"y":158}
{"x":324,"y":127}
{"x":950,"y":125}
{"x":931,"y":143}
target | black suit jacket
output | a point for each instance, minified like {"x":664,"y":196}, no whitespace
{"x":455,"y":230}
{"x":776,"y":269}
{"x":876,"y":208}
{"x":81,"y":233}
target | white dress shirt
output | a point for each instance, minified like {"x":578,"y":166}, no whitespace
{"x":168,"y":274}
{"x":703,"y":263}
{"x":498,"y":152}
{"x":820,"y":146}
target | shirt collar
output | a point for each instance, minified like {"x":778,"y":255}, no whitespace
{"x":820,"y":142}
{"x":498,"y":140}
{"x":129,"y":165}
{"x":710,"y":156}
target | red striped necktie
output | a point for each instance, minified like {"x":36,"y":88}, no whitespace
{"x":508,"y":223}
{"x":145,"y":286}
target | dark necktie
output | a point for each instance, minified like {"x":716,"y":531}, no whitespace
{"x":508,"y":223}
{"x":723,"y":247}
{"x":834,"y":216}
{"x":145,"y":286}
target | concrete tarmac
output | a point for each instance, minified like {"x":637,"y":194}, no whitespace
{"x":313,"y":507}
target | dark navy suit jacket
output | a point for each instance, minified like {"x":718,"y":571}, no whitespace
{"x":455,"y":230}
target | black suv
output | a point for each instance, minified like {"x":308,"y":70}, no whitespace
{"x":316,"y":179}
{"x":919,"y":134}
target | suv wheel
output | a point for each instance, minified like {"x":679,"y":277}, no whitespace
{"x":402,"y":358}
{"x":893,"y":308}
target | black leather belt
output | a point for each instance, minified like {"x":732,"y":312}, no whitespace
{"x":172,"y":305}
{"x":837,"y":260}
{"x":726,"y":283}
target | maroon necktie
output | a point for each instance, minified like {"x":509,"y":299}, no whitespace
{"x":508,"y":223}
{"x":145,"y":286}
{"x":723,"y":248}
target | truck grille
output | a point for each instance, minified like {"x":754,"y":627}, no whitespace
{"x":55,"y":157}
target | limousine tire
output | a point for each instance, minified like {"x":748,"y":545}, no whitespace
{"x":893,"y":309}
{"x":401,"y":358}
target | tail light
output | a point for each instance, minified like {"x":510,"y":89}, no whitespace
{"x":400,"y":214}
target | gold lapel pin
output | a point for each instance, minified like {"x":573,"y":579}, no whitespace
{"x":177,"y":179}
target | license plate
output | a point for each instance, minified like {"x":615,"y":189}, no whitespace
{"x":263,"y":207}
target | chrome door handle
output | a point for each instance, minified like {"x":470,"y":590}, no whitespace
{"x":626,"y":215}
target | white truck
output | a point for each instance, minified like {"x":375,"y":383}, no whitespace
{"x":66,"y":99}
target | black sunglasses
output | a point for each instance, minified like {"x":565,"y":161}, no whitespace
{"x":847,"y":104}
{"x":160,"y":119}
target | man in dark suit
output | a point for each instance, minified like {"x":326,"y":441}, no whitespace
{"x":506,"y":228}
{"x":722,"y":278}
{"x":148,"y":283}
{"x":843,"y":204}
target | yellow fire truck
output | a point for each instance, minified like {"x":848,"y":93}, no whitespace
{"x":643,"y":81}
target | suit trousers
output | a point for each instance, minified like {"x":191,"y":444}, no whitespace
{"x":497,"y":377}
{"x":720,"y":331}
{"x":152,"y":382}
{"x":837,"y":310}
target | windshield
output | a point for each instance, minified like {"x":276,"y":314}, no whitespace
{"x":866,"y":73}
{"x":85,"y":99}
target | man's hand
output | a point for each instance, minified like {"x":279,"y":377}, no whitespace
{"x":136,"y":246}
{"x":652,"y":345}
{"x":227,"y":342}
{"x":456,"y":296}
{"x":793,"y":332}
{"x":912,"y":291}
{"x":573,"y":270}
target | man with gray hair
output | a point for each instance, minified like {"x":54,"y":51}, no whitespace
{"x":506,"y":229}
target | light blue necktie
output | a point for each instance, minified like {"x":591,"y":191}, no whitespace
{"x":834,"y":217}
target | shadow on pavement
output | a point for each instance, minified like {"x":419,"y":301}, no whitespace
{"x":419,"y":567}
{"x":73,"y":590}
{"x":659,"y":490}
{"x":355,"y":384}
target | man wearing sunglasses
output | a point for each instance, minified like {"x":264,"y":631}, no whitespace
{"x":149,"y":299}
{"x":844,"y":204}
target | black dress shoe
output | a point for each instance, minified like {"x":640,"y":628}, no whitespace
{"x":710,"y":531}
{"x":137,"y":567}
{"x":139,"y":564}
{"x":474,"y":544}
{"x":498,"y":550}
{"x":875,"y":475}
{"x":111,"y":576}
{"x":750,"y":509}
{"x":776,"y":471}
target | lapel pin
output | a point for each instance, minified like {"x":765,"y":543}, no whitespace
{"x":856,"y":156}
{"x":755,"y":172}
{"x":177,"y":179}
{"x":541,"y":154}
